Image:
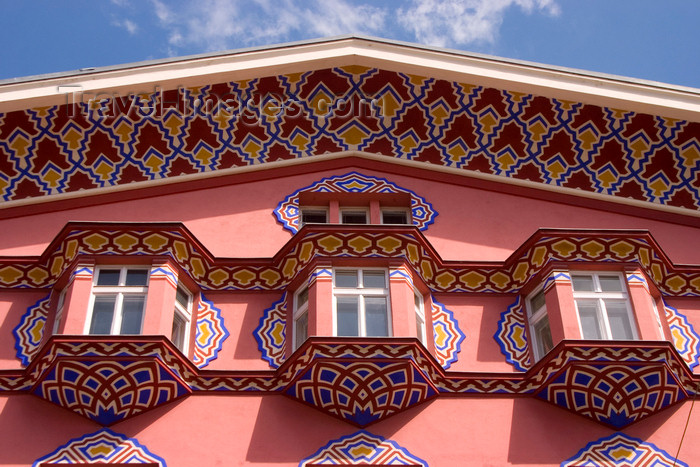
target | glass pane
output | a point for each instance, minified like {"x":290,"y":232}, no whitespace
{"x":182,"y":297}
{"x":376,"y":322}
{"x":620,"y":325}
{"x":303,"y":297}
{"x":132,"y":313}
{"x":588,"y":313}
{"x":537,"y":302}
{"x":313,"y":217}
{"x":178,"y":334}
{"x":353,"y":217}
{"x":102,"y":314}
{"x":543,"y":335}
{"x":374,"y":279}
{"x":346,"y":279}
{"x":420,"y":329}
{"x":108,"y":277}
{"x":394,"y":217}
{"x":347,"y":315}
{"x":137,"y":277}
{"x":610,"y":283}
{"x":301,"y":329}
{"x":583,"y":283}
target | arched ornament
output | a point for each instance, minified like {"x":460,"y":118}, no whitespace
{"x":362,"y":448}
{"x":102,"y":447}
{"x":287,"y":211}
{"x":621,"y":450}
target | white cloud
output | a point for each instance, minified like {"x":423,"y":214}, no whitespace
{"x":454,"y":22}
{"x":210,"y":25}
{"x":127,"y":24}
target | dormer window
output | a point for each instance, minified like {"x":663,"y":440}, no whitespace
{"x":354,"y":216}
{"x":603,"y":306}
{"x":118,"y":300}
{"x":396,"y":216}
{"x":314,"y":216}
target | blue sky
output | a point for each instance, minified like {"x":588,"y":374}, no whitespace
{"x":637,"y":38}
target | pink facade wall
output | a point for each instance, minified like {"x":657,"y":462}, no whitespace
{"x":273,"y":430}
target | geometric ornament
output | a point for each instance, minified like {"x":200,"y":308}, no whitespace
{"x":512,"y":338}
{"x":362,"y":392}
{"x":30,"y":330}
{"x":448,"y":337}
{"x":210,"y":333}
{"x":102,"y":447}
{"x":614,"y":394}
{"x":362,"y":448}
{"x":271,"y":332}
{"x":684,"y":337}
{"x":108,"y":391}
{"x":287,"y":211}
{"x":622,"y":450}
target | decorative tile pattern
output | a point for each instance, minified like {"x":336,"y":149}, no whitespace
{"x":511,"y":336}
{"x":102,"y":447}
{"x":271,"y":333}
{"x":613,"y":386}
{"x":621,"y":450}
{"x":360,"y":391}
{"x":362,"y":448}
{"x":109,"y":391}
{"x":241,"y":123}
{"x":322,"y":241}
{"x":30,"y":330}
{"x":685,"y":339}
{"x":287,"y":211}
{"x":210,"y":333}
{"x":448,"y":337}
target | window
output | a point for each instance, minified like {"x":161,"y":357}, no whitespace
{"x":314,"y":216}
{"x":353,"y":216}
{"x":118,"y":301}
{"x":59,"y":311}
{"x":301,"y":317}
{"x":420,"y":316}
{"x":361,"y":302}
{"x":603,"y":306}
{"x":181,"y":318}
{"x":395,"y":216}
{"x":539,"y":325}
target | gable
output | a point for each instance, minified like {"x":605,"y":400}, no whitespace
{"x":98,"y":142}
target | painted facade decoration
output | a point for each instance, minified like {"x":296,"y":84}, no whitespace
{"x":622,"y":450}
{"x":102,"y":447}
{"x":445,"y":123}
{"x":211,"y":332}
{"x":362,"y":448}
{"x":30,"y":330}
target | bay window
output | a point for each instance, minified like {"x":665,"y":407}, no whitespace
{"x":301,"y":317}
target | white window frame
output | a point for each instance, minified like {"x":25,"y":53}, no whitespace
{"x":406,"y":211}
{"x":419,"y":308}
{"x":599,"y":297}
{"x":185,"y":314}
{"x":299,"y":310}
{"x":358,"y":209}
{"x":534,"y":317}
{"x":120,"y":291}
{"x":361,"y":292}
{"x":303,"y":209}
